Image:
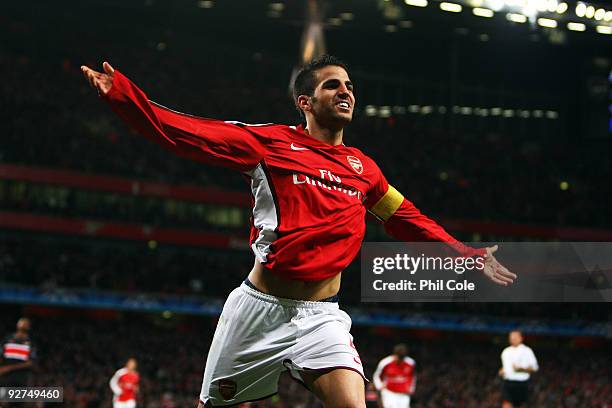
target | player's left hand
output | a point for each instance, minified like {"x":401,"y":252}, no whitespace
{"x":496,"y":271}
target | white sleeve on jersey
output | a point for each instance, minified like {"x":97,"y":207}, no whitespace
{"x":532,"y":362}
{"x":114,"y":382}
{"x":378,"y":382}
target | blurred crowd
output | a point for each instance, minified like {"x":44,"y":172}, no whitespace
{"x":453,"y":370}
{"x":52,"y":118}
{"x":55,"y":262}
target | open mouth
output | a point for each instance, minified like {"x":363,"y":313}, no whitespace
{"x":344,"y":106}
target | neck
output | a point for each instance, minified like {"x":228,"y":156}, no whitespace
{"x":324,"y":134}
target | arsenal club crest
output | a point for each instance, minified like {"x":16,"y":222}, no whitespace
{"x":355,"y":164}
{"x":227,"y":388}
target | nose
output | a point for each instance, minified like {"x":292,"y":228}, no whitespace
{"x":343,"y":92}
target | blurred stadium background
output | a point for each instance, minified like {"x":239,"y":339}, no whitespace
{"x":492,"y":116}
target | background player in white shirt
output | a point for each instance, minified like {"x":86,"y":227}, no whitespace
{"x":395,"y":378}
{"x":518,"y":363}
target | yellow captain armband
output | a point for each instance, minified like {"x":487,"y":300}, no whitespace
{"x":388,"y":204}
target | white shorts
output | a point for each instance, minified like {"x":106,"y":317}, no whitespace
{"x":124,"y":404}
{"x":391,"y":399}
{"x":259,"y":336}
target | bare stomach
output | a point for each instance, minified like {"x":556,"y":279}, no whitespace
{"x":276,"y":285}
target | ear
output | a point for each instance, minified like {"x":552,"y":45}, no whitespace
{"x":303,"y":102}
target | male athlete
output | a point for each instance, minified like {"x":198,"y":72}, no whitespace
{"x":395,"y":378}
{"x":18,"y":354}
{"x":311,"y":193}
{"x":124,"y":384}
{"x":518,"y":363}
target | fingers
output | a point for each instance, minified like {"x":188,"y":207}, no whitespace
{"x":499,"y":274}
{"x":498,"y":281}
{"x":100,"y":81}
{"x":89,"y":74}
{"x":493,"y":249}
{"x":505,"y":272}
{"x":108,"y":68}
{"x":503,"y":278}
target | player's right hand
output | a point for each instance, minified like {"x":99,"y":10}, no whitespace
{"x":102,"y":81}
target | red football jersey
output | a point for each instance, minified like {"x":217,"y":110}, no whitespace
{"x":310,"y":197}
{"x":396,"y":375}
{"x":125,"y":384}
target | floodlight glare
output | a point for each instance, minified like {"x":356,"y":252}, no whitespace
{"x":562,"y":8}
{"x":451,"y":7}
{"x":541,"y":5}
{"x":547,"y":22}
{"x":581,"y":9}
{"x":604,"y":29}
{"x":483,"y":12}
{"x":576,"y":26}
{"x":496,"y":5}
{"x":600,"y":14}
{"x":416,"y":3}
{"x":517,"y":18}
{"x":590,"y":12}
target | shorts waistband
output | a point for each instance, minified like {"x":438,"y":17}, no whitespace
{"x":252,"y":289}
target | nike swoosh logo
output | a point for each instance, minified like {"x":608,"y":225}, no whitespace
{"x":294,"y":147}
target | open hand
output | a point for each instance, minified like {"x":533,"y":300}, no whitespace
{"x":496,"y":271}
{"x":102,"y":81}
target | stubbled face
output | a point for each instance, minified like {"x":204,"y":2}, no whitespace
{"x":515,"y":338}
{"x":333,"y":100}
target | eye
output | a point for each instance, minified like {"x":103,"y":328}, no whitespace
{"x":331,"y":84}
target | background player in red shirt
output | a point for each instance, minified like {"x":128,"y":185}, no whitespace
{"x":124,"y":384}
{"x":395,"y":378}
{"x":311,"y":193}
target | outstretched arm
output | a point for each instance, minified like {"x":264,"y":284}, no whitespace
{"x":212,"y":141}
{"x":403,"y":221}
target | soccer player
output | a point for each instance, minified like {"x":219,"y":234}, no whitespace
{"x":124,"y":384}
{"x":518,"y":363}
{"x":395,"y":378}
{"x":310,"y":195}
{"x":18,"y":354}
